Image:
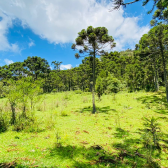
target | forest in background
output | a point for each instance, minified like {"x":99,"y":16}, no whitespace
{"x":141,"y":69}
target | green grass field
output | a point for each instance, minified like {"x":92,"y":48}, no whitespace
{"x":69,"y":136}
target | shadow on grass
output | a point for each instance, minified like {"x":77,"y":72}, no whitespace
{"x":89,"y":109}
{"x":129,"y":153}
{"x":121,"y":133}
{"x":12,"y":165}
{"x":94,"y":156}
{"x":134,"y":156}
{"x":158,"y":101}
{"x":126,"y":155}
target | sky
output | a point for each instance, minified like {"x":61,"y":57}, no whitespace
{"x":48,"y":28}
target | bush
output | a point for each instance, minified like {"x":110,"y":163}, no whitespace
{"x":78,"y":92}
{"x":3,"y":125}
{"x":64,"y":113}
{"x":4,"y":121}
{"x":114,"y":84}
{"x":28,"y":124}
{"x":87,"y":90}
{"x":54,"y":90}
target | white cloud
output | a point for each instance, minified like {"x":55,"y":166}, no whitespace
{"x":63,"y":67}
{"x":31,"y":43}
{"x":60,"y":21}
{"x":7,"y":61}
{"x":5,"y":24}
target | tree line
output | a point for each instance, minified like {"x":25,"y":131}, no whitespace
{"x":144,"y":68}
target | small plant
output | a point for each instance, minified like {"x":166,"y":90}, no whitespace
{"x":3,"y":124}
{"x":85,"y":99}
{"x":117,"y":119}
{"x":50,"y":122}
{"x":57,"y":103}
{"x":58,"y":137}
{"x":151,"y":140}
{"x":66,"y":96}
{"x":64,"y":113}
{"x":152,"y":127}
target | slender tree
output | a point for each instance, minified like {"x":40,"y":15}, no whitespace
{"x":12,"y":94}
{"x":56,"y":65}
{"x":93,"y":41}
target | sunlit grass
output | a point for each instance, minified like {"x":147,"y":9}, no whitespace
{"x":69,"y":131}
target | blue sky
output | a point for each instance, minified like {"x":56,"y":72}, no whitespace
{"x":47,"y":28}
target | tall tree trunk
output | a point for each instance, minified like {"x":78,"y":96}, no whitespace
{"x":164,"y":68}
{"x":156,"y":77}
{"x":13,"y":118}
{"x":69,"y":84}
{"x":31,"y":101}
{"x":24,"y":111}
{"x":93,"y":87}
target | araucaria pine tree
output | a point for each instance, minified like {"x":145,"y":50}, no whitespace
{"x":93,"y":41}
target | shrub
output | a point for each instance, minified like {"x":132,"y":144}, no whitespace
{"x":87,"y":89}
{"x":114,"y":84}
{"x":78,"y":92}
{"x":99,"y":87}
{"x":54,"y":90}
{"x":28,"y":124}
{"x":3,"y":125}
{"x":4,"y":121}
{"x":64,"y":113}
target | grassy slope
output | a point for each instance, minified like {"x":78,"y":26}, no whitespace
{"x":116,"y":127}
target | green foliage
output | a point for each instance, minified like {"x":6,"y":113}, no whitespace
{"x":99,"y":87}
{"x":12,"y":93}
{"x":152,"y":127}
{"x":152,"y":48}
{"x":114,"y":85}
{"x":21,"y":91}
{"x":1,"y":89}
{"x":78,"y":91}
{"x":36,"y":66}
{"x":151,"y":139}
{"x":3,"y":123}
{"x":64,"y":113}
{"x":28,"y":124}
{"x":161,"y":7}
